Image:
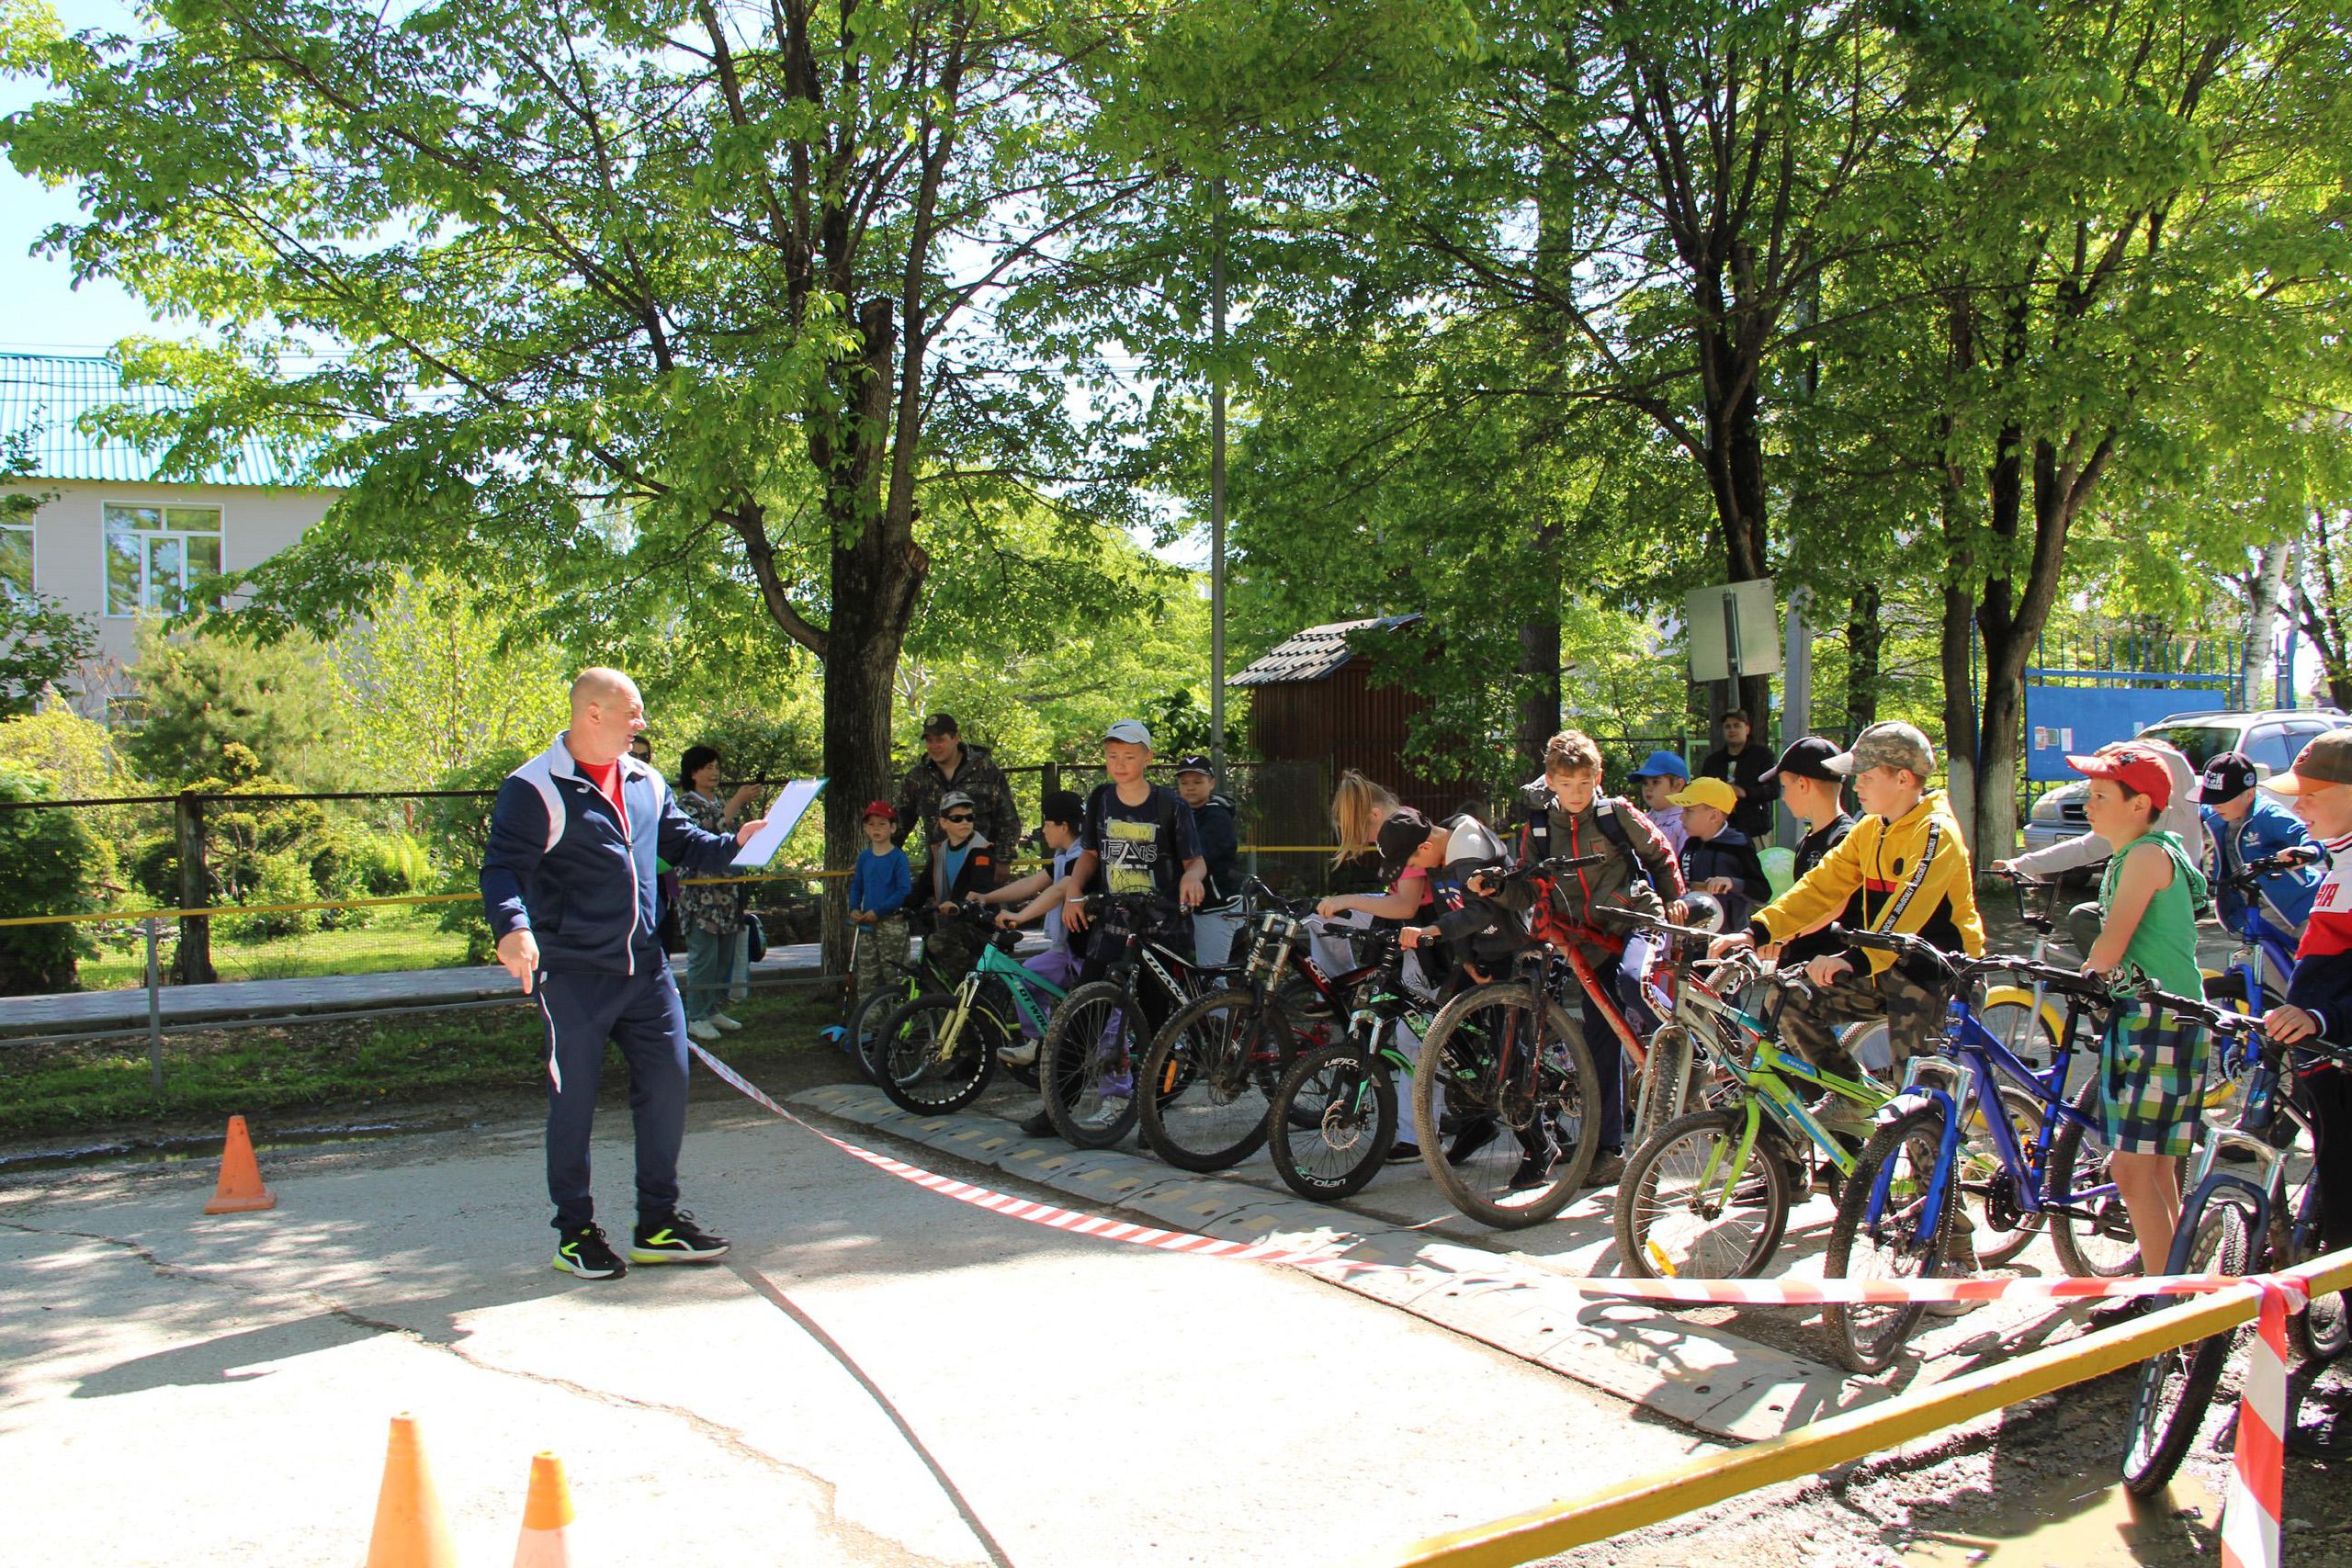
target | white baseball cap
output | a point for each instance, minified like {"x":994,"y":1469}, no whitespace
{"x":1130,"y":730}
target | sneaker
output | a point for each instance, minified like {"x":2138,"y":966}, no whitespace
{"x":675,"y":1240}
{"x":1403,"y":1154}
{"x":1535,"y":1168}
{"x":1607,"y":1167}
{"x":2122,"y":1309}
{"x":1844,"y":1117}
{"x":584,"y":1251}
{"x":1039,"y":1125}
{"x":703,"y":1030}
{"x":1473,"y":1137}
{"x":725,"y":1022}
{"x":1108,"y":1115}
{"x":1019,"y":1056}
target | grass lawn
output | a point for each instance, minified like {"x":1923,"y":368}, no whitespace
{"x":355,"y":1068}
{"x":398,"y":938}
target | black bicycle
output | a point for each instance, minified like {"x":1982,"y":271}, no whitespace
{"x":1090,"y":1065}
{"x":2238,"y":1222}
{"x":1333,"y":1120}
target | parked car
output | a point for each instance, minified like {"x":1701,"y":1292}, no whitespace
{"x":2270,"y":736}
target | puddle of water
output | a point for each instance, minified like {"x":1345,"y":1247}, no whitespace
{"x":167,"y":1151}
{"x":2072,"y":1524}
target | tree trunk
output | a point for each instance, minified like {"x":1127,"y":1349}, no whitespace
{"x":1539,"y":702}
{"x":2265,"y":594}
{"x":1959,"y":708}
{"x":1865,"y":642}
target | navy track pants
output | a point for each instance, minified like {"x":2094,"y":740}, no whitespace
{"x":642,"y":1015}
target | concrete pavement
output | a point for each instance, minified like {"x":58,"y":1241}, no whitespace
{"x":190,"y":1390}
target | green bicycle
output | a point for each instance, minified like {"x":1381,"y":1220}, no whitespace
{"x":939,"y":1051}
{"x":1707,"y":1196}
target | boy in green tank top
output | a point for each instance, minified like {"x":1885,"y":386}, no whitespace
{"x":2152,"y":1064}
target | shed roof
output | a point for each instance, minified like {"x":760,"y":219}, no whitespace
{"x":1314,"y":654}
{"x":44,"y":397}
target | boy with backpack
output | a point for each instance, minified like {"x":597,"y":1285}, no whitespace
{"x":1140,"y":838}
{"x":1903,"y":868}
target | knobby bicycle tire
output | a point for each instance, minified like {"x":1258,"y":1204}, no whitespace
{"x":1354,"y":1106}
{"x":1077,"y":1077}
{"x":1665,"y":1082}
{"x":1200,"y":1115}
{"x":1858,"y":1341}
{"x":935,"y":1062}
{"x":2174,"y":1389}
{"x":1574,"y":1065}
{"x":1765,"y":1181}
{"x":865,"y":1028}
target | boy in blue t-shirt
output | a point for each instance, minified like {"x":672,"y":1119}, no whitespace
{"x":878,"y":888}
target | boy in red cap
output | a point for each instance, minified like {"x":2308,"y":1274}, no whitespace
{"x":2151,"y":1064}
{"x":879,"y":886}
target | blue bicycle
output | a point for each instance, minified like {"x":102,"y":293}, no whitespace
{"x":2036,"y":1155}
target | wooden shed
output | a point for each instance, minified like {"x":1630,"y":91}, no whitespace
{"x":1313,"y":705}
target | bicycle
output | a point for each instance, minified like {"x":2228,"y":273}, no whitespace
{"x":1217,"y":1061}
{"x":1696,"y":1200}
{"x":939,"y":1051}
{"x":1504,"y":1057}
{"x":901,"y":982}
{"x":1087,"y":1068}
{"x":1897,"y":1210}
{"x":1333,"y":1119}
{"x":2234,"y":1224}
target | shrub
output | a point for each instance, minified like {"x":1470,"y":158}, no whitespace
{"x":50,"y":865}
{"x":282,"y":876}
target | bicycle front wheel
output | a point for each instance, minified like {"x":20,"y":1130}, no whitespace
{"x":1087,"y":1066}
{"x":2003,"y":1230}
{"x":1665,"y":1082}
{"x":937,"y":1053}
{"x":1504,"y":1104}
{"x":1684,"y":1212}
{"x":2175,"y":1388}
{"x":1347,"y":1106}
{"x":1896,"y":1173}
{"x":1212,"y":1071}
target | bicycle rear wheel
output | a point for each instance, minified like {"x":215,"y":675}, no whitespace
{"x":937,"y":1054}
{"x":1086,"y":1070}
{"x":1503,"y":1105}
{"x":1350,"y":1111}
{"x":1679,"y":1217}
{"x":2169,"y":1402}
{"x":1898,"y":1166}
{"x":2002,"y":1231}
{"x":865,"y":1028}
{"x":1213,"y":1070}
{"x":2088,"y":1226}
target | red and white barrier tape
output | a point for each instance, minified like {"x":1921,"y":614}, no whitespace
{"x":2250,"y":1516}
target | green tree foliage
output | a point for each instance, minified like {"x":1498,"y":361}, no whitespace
{"x":50,"y":865}
{"x":201,"y":695}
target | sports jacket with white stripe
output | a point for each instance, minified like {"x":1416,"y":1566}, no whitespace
{"x":560,"y":866}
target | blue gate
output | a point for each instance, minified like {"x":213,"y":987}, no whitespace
{"x":2110,"y":688}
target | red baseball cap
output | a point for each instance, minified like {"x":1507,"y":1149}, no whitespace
{"x":2136,"y":768}
{"x":879,"y":808}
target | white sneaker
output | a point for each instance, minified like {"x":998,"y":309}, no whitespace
{"x":1019,"y":1056}
{"x":725,"y":1022}
{"x":703,"y":1030}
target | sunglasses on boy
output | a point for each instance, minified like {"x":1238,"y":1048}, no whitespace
{"x":957,"y":817}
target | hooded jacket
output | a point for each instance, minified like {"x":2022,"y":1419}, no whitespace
{"x":1638,"y":877}
{"x":1909,"y":875}
{"x":562,"y":866}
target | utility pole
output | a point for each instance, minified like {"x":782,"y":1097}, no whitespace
{"x":1217,"y":473}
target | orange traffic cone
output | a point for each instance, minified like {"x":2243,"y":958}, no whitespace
{"x":546,"y":1517}
{"x":240,"y":1189}
{"x":410,"y":1531}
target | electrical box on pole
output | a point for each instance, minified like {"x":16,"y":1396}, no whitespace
{"x":1735,"y":630}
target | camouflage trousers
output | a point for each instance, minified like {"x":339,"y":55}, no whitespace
{"x":879,"y":946}
{"x":1811,"y":1020}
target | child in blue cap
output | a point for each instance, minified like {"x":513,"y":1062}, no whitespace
{"x":1662,"y":774}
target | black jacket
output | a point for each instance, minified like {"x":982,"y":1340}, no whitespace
{"x":1753,"y":815}
{"x":1728,"y":853}
{"x":1220,"y":846}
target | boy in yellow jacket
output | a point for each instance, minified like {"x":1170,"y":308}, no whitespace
{"x":1906,"y":870}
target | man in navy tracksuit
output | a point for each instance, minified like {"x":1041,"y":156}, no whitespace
{"x":569,"y":882}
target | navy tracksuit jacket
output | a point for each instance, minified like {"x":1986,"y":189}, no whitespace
{"x":560,"y":864}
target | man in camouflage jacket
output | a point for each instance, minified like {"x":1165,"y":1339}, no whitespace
{"x":949,"y":764}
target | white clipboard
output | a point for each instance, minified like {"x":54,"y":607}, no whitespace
{"x":782,"y":817}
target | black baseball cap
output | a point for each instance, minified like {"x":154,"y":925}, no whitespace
{"x":2226,"y":777}
{"x":1405,"y":832}
{"x":940,"y":724}
{"x":1064,"y":807}
{"x":1195,"y":764}
{"x":1808,"y":758}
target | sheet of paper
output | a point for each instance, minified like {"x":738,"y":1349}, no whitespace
{"x":782,"y":817}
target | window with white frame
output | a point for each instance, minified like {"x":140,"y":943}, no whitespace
{"x":162,"y":559}
{"x":15,"y":559}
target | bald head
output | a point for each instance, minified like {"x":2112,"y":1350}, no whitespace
{"x":605,"y":711}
